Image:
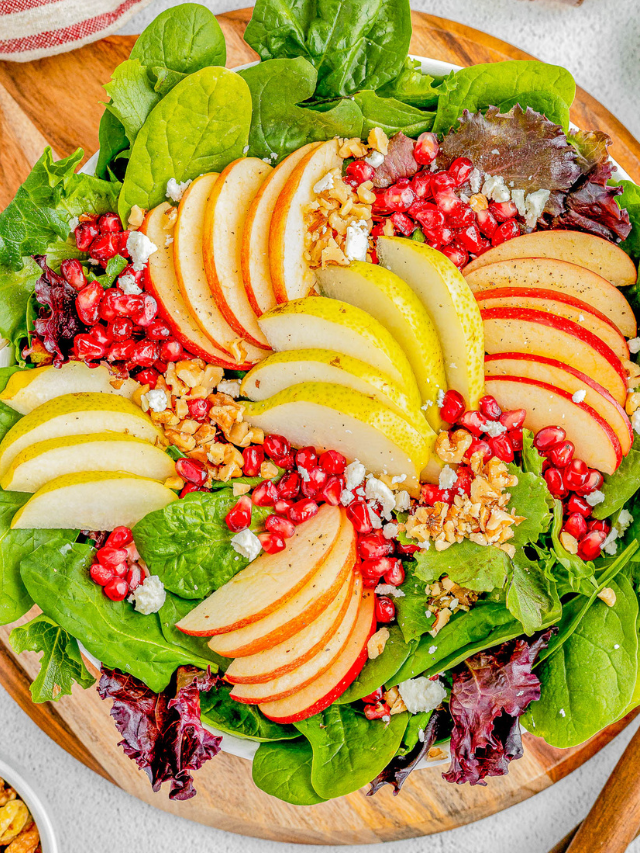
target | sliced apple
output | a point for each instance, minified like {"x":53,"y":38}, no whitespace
{"x":445,"y":294}
{"x":276,"y":661}
{"x":594,"y":440}
{"x":299,"y":610}
{"x":76,"y":414}
{"x":586,"y":250}
{"x":560,"y":276}
{"x":318,"y":695}
{"x":93,"y":500}
{"x":28,"y":389}
{"x":269,"y":581}
{"x":161,"y":282}
{"x":566,"y":378}
{"x":562,"y":305}
{"x":395,"y":305}
{"x":538,"y":333}
{"x":256,"y":272}
{"x":291,"y":276}
{"x":331,"y":416}
{"x":310,"y":670}
{"x":316,"y":322}
{"x":104,"y":451}
{"x":224,"y":222}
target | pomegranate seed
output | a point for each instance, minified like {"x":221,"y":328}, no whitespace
{"x":462,"y":484}
{"x":464,"y":217}
{"x":303,"y":510}
{"x":516,"y":438}
{"x":421,"y":184}
{"x":109,"y":222}
{"x":578,"y":504}
{"x":271,"y":542}
{"x":374,"y":697}
{"x":385,"y":609}
{"x":426,"y":148}
{"x":122,"y":239}
{"x":487,"y":222}
{"x":199,"y":408}
{"x":456,"y":255}
{"x":448,"y":203}
{"x":358,"y":515}
{"x":332,"y":490}
{"x":85,"y":234}
{"x":121,"y":328}
{"x":575,"y":525}
{"x":359,"y":171}
{"x":431,"y":494}
{"x":108,"y":304}
{"x":598,"y":524}
{"x":158,"y":330}
{"x":265,"y":494}
{"x":119,"y":537}
{"x":87,"y":348}
{"x":442,"y":183}
{"x":283,"y":506}
{"x":307,"y":458}
{"x":490,"y":408}
{"x":593,"y":481}
{"x":452,"y":406}
{"x":480,"y":446}
{"x":555,"y":482}
{"x":88,"y":303}
{"x":111,"y":557}
{"x":239,"y":516}
{"x":377,"y":567}
{"x":282,"y":526}
{"x":547,"y":437}
{"x":513,"y":419}
{"x":253,"y":459}
{"x":191,"y":487}
{"x":377,"y":230}
{"x":507,"y":231}
{"x":332,"y":462}
{"x":72,"y":270}
{"x":125,"y":304}
{"x":101,"y":334}
{"x":171,"y":351}
{"x":134,"y":578}
{"x":121,"y":351}
{"x":503,"y":210}
{"x":475,"y":422}
{"x":144,"y":314}
{"x":501,"y":447}
{"x":429,"y":216}
{"x":100,"y":574}
{"x":576,"y":473}
{"x":312,"y":487}
{"x":406,"y":550}
{"x":104,"y":247}
{"x":160,"y":366}
{"x":402,"y":224}
{"x":469,"y":238}
{"x":561,"y":454}
{"x":374,"y":545}
{"x":145,"y":353}
{"x":377,"y":712}
{"x":276,"y":447}
{"x":191,"y":470}
{"x":395,"y":575}
{"x":589,"y":546}
{"x":398,"y":199}
{"x":120,"y":571}
{"x":117,"y":589}
{"x":289,"y":485}
{"x":460,"y":170}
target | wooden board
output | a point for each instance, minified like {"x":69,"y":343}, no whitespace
{"x":56,"y":101}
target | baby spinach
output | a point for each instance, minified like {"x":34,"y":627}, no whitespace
{"x":355,"y":44}
{"x":412,"y":87}
{"x":577,"y":572}
{"x":477,"y":567}
{"x":112,"y":140}
{"x":132,"y":96}
{"x":61,"y":664}
{"x":391,"y":115}
{"x":531,"y":594}
{"x":8,"y":417}
{"x":621,"y":486}
{"x":188,"y":543}
{"x":284,"y":771}
{"x":173,"y":610}
{"x":200,"y":126}
{"x":381,"y":669}
{"x":57,"y":579}
{"x":629,"y":200}
{"x":416,"y":725}
{"x":348,"y":749}
{"x":279,"y":125}
{"x":589,"y":680}
{"x":411,"y":607}
{"x":241,"y":720}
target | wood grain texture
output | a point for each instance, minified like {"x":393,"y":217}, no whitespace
{"x":57,"y":101}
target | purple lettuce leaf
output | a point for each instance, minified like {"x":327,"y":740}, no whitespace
{"x":58,"y":326}
{"x":592,"y":207}
{"x":398,"y":163}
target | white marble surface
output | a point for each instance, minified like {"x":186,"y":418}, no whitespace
{"x":600,"y":43}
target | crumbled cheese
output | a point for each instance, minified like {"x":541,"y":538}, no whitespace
{"x":140,"y":249}
{"x":595,"y":498}
{"x":354,"y":475}
{"x":580,"y":318}
{"x":440,"y":399}
{"x":388,"y":589}
{"x":157,"y":399}
{"x":635,"y":421}
{"x":624,"y":520}
{"x":323,"y":184}
{"x":149,"y":597}
{"x":168,"y":240}
{"x":247,"y":544}
{"x":231,"y":387}
{"x":375,"y":159}
{"x":93,"y":262}
{"x":304,"y":474}
{"x":579,"y":396}
{"x":562,"y":713}
{"x":495,"y":188}
{"x":127,"y":284}
{"x":390,"y":531}
{"x":378,"y":491}
{"x":374,"y":518}
{"x":634,"y":345}
{"x":73,"y":223}
{"x":475,"y":181}
{"x":535,"y":203}
{"x":495,"y":428}
{"x":175,"y":191}
{"x":427,"y":405}
{"x":447,"y":477}
{"x":403,"y":501}
{"x":432,"y":650}
{"x":610,"y":546}
{"x":346,"y":497}
{"x":421,"y":694}
{"x":399,"y":478}
{"x":517,"y":197}
{"x":66,"y":548}
{"x":245,"y":149}
{"x":357,"y":242}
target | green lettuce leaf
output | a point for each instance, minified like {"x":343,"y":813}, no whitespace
{"x":630,"y":200}
{"x":412,"y":87}
{"x":391,"y":115}
{"x":480,"y":568}
{"x":531,"y":593}
{"x":529,"y":498}
{"x":621,"y":486}
{"x":132,"y":97}
{"x":411,"y":607}
{"x":244,"y":721}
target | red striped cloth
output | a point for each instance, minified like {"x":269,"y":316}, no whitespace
{"x":31,"y":29}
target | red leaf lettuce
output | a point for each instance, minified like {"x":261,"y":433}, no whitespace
{"x":58,"y":326}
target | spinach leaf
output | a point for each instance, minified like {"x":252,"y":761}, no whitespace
{"x":549,"y":105}
{"x":132,"y":97}
{"x":278,"y":124}
{"x":531,"y":594}
{"x":576,"y":570}
{"x":378,"y":671}
{"x":58,"y":581}
{"x":411,"y":607}
{"x":621,"y":486}
{"x":188,"y":543}
{"x":531,"y":459}
{"x":530,"y":498}
{"x":391,"y":115}
{"x":590,"y":679}
{"x":112,"y":139}
{"x":61,"y":665}
{"x":477,"y":567}
{"x":114,"y":267}
{"x":284,"y":771}
{"x":173,"y":610}
{"x":236,"y":718}
{"x":417,"y":724}
{"x":8,"y":417}
{"x":348,"y":749}
{"x":630,"y":200}
{"x":492,"y":84}
{"x":412,"y":87}
{"x":15,"y":291}
{"x":354,"y":44}
{"x":5,"y":375}
{"x":200,"y":126}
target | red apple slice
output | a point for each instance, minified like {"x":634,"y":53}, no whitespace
{"x":596,"y":254}
{"x":594,"y":440}
{"x":296,"y":612}
{"x":310,"y":670}
{"x":560,"y":276}
{"x":566,"y":378}
{"x":538,"y":333}
{"x":318,"y":695}
{"x":269,"y":581}
{"x":562,"y":305}
{"x":161,"y":282}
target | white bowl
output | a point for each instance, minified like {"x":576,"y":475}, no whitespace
{"x":34,"y":803}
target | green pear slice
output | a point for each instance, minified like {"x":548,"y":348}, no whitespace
{"x":394,"y":304}
{"x":28,"y":389}
{"x":331,"y":416}
{"x":281,"y":370}
{"x":450,"y":304}
{"x":93,"y":500}
{"x":315,"y":322}
{"x":76,"y":414}
{"x":71,"y":454}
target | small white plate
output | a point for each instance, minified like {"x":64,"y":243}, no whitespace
{"x":34,"y":803}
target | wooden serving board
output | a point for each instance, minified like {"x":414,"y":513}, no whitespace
{"x":56,"y":101}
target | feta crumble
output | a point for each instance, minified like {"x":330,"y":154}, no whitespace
{"x":388,"y":589}
{"x":323,"y":184}
{"x":447,"y":477}
{"x":140,"y":249}
{"x":149,"y":597}
{"x":157,"y":399}
{"x":127,"y":284}
{"x":440,"y":399}
{"x":357,"y":242}
{"x":403,"y":501}
{"x":346,"y":497}
{"x":390,"y":531}
{"x":399,"y":478}
{"x":635,"y":421}
{"x":230,"y":387}
{"x":433,"y":650}
{"x":595,"y":498}
{"x":421,"y":694}
{"x":374,"y":159}
{"x":495,"y":428}
{"x":354,"y":475}
{"x":535,"y":203}
{"x":475,"y":180}
{"x":247,"y":544}
{"x":579,"y":396}
{"x":634,"y":345}
{"x":175,"y":191}
{"x":495,"y":188}
{"x":304,"y":474}
{"x":378,"y":491}
{"x":374,"y":518}
{"x":73,"y":223}
{"x":517,"y":197}
{"x":562,"y":713}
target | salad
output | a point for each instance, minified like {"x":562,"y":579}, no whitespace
{"x":319,"y":409}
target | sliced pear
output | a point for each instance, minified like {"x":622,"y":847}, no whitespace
{"x":93,"y":500}
{"x":76,"y":414}
{"x":450,"y":304}
{"x":331,"y":416}
{"x":394,"y":304}
{"x":70,"y":454}
{"x":316,"y":322}
{"x":28,"y":389}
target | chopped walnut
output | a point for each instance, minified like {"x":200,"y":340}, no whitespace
{"x":136,"y":217}
{"x":377,"y":642}
{"x":395,"y":701}
{"x":379,"y":140}
{"x":452,"y":446}
{"x":608,"y":596}
{"x":352,"y":148}
{"x":478,"y":202}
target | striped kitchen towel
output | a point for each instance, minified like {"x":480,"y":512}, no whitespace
{"x":31,"y":29}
